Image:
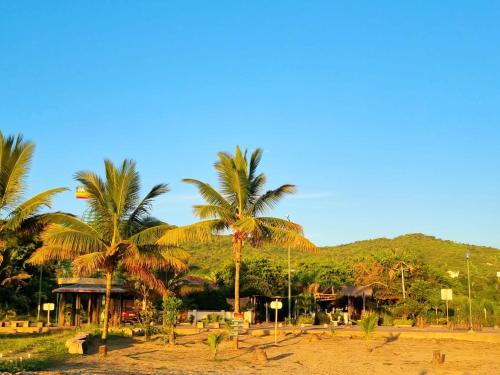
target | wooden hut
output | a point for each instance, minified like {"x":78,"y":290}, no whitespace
{"x":85,"y":297}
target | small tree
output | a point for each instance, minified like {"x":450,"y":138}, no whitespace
{"x":213,"y":341}
{"x":368,"y":325}
{"x":171,"y":306}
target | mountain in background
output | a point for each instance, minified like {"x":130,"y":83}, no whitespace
{"x":441,"y":255}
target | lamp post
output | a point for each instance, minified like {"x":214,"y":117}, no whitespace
{"x":39,"y":295}
{"x":467,"y":256}
{"x":289,"y":284}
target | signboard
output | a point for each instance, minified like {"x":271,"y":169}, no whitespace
{"x":446,"y":294}
{"x":48,"y":307}
{"x":276,"y":305}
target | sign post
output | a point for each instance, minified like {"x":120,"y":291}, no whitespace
{"x":447,"y":295}
{"x":48,"y":307}
{"x":276,"y":305}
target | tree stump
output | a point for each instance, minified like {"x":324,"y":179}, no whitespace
{"x":437,"y":357}
{"x":103,"y":351}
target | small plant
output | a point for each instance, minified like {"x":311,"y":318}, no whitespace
{"x":213,"y":318}
{"x":305,"y":320}
{"x":213,"y":341}
{"x":171,"y":306}
{"x":368,"y":325}
{"x":147,"y":319}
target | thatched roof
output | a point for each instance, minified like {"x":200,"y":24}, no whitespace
{"x":356,"y":291}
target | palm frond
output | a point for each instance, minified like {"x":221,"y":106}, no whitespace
{"x":271,"y":198}
{"x":15,"y":158}
{"x":89,"y":263}
{"x":282,"y":224}
{"x":143,"y":209}
{"x":72,"y":239}
{"x":145,"y":274}
{"x":212,"y":211}
{"x":150,"y":235}
{"x":31,"y":207}
{"x":46,"y":254}
{"x":203,"y":231}
{"x":283,"y":237}
{"x":209,"y":194}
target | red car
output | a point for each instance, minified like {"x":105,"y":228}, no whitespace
{"x":130,"y":315}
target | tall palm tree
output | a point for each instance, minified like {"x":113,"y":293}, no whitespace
{"x":15,"y":158}
{"x":237,"y":208}
{"x":114,"y":236}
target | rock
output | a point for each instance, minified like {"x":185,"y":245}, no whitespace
{"x":79,"y":343}
{"x":77,"y":346}
{"x":260,"y":355}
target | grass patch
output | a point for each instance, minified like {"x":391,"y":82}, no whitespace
{"x":33,"y":352}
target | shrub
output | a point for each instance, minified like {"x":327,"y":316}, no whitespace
{"x":387,"y":320}
{"x":368,"y":324}
{"x":321,"y":318}
{"x":213,"y":342}
{"x":402,"y":322}
{"x":213,"y":318}
{"x":302,"y":319}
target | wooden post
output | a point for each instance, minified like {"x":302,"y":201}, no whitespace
{"x":78,"y":309}
{"x":62,"y":310}
{"x":73,"y":309}
{"x":120,"y":312}
{"x":276,"y":323}
{"x":99,"y":305}
{"x":95,"y":309}
{"x":89,"y":310}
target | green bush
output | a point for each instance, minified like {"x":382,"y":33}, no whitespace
{"x":387,"y":320}
{"x":302,"y":319}
{"x":213,"y":318}
{"x":213,"y":342}
{"x":368,"y":324}
{"x":321,"y":318}
{"x":402,"y":322}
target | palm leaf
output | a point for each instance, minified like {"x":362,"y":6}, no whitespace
{"x":271,"y":198}
{"x":31,"y":207}
{"x":89,"y":263}
{"x":16,"y":156}
{"x":143,"y":209}
{"x":203,"y":231}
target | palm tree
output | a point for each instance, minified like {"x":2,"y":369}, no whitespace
{"x":15,"y":158}
{"x":238,"y":208}
{"x":114,"y":236}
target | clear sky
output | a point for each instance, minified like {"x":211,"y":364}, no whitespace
{"x":384,"y":113}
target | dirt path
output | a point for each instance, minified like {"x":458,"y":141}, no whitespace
{"x":293,"y":355}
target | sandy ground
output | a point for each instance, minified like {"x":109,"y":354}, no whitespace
{"x":293,"y":354}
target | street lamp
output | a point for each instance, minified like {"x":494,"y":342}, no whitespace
{"x":289,"y":284}
{"x":467,"y":256}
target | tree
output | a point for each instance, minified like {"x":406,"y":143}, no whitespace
{"x":237,"y":208}
{"x":117,"y":234}
{"x":171,"y":306}
{"x":16,"y":214}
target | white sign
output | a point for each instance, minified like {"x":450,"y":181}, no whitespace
{"x":48,"y":307}
{"x":446,"y":294}
{"x":276,"y":305}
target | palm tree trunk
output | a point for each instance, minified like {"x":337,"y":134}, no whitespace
{"x":237,"y":245}
{"x":109,"y":280}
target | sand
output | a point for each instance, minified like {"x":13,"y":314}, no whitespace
{"x":293,"y":355}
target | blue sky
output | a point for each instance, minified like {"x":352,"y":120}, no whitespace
{"x":385,"y":114}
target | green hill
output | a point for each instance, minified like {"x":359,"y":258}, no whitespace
{"x":439,"y":254}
